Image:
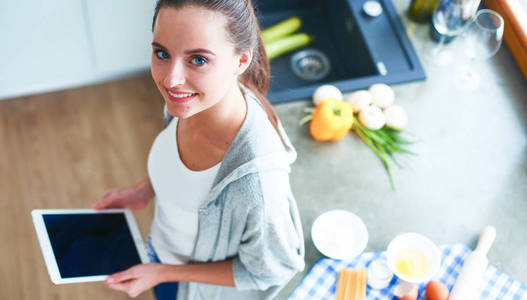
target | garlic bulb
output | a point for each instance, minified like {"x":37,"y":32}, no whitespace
{"x":396,"y":117}
{"x":383,"y":95}
{"x":372,"y":117}
{"x":326,"y":91}
{"x":359,"y":100}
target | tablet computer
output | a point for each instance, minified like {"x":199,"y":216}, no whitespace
{"x":82,"y":245}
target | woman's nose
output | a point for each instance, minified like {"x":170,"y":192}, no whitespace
{"x":175,"y":76}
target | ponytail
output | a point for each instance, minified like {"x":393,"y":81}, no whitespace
{"x":258,"y":75}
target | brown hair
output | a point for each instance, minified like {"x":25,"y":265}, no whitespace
{"x":244,"y":32}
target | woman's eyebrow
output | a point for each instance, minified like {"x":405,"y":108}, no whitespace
{"x":199,"y":50}
{"x":191,"y":51}
{"x":158,"y":45}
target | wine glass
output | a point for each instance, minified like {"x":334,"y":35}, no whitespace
{"x":449,"y":19}
{"x":481,"y":41}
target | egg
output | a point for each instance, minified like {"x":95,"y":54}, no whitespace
{"x":405,"y":291}
{"x":436,"y":290}
{"x":412,"y":295}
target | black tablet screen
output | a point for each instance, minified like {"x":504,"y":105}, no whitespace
{"x":91,"y":244}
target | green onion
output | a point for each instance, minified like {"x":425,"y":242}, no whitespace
{"x":385,"y":142}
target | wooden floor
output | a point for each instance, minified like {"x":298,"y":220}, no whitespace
{"x":62,"y":150}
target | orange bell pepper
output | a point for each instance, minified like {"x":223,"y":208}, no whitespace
{"x":331,"y":120}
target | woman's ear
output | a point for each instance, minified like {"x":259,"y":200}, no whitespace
{"x":244,"y":60}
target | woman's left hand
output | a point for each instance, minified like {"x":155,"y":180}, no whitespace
{"x":136,"y":279}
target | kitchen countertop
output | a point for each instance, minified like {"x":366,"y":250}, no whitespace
{"x":470,"y":171}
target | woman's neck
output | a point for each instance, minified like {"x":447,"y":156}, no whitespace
{"x":220,"y":123}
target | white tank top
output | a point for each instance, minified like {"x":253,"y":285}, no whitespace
{"x":179,"y":194}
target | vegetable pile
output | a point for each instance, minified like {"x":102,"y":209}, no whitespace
{"x":371,"y":114}
{"x":281,"y":37}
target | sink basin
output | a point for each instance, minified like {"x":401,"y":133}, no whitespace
{"x":360,"y":50}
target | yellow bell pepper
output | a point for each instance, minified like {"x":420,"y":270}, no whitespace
{"x":331,"y":120}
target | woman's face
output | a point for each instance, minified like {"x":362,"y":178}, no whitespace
{"x":193,"y":62}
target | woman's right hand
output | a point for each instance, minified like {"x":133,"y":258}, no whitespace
{"x":134,"y":197}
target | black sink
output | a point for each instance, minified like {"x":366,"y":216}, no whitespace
{"x":362,"y":50}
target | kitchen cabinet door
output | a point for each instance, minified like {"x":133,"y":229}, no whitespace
{"x":44,"y":46}
{"x":121,"y":34}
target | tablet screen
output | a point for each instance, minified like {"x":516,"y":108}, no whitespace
{"x":91,"y":244}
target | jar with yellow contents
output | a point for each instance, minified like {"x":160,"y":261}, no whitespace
{"x":413,"y":258}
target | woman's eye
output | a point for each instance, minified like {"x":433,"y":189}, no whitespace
{"x":161,"y":54}
{"x":198,"y":60}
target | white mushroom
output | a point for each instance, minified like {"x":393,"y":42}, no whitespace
{"x":372,"y":117}
{"x":396,"y":117}
{"x":383,"y":95}
{"x":326,"y":91}
{"x":359,"y":100}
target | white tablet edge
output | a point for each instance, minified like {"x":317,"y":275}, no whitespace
{"x":47,"y":252}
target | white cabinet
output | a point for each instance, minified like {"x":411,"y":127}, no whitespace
{"x":44,"y":45}
{"x":51,"y":45}
{"x":121,"y":32}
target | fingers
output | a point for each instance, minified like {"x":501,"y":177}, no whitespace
{"x":122,"y":281}
{"x":106,"y":200}
{"x":120,"y":286}
{"x":121,"y":276}
{"x":127,"y":281}
{"x":101,"y":203}
{"x":97,"y":205}
{"x":131,"y":287}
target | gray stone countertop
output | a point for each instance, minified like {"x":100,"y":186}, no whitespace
{"x":470,"y":169}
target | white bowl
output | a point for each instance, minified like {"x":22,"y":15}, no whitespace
{"x":339,"y":234}
{"x":421,"y":243}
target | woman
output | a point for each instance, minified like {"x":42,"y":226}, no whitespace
{"x":226,"y":225}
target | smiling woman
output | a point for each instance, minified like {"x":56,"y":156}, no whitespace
{"x":200,"y":74}
{"x":226,"y":225}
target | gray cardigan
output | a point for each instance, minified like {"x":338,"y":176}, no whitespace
{"x":250,"y":215}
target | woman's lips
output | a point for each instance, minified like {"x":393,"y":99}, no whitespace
{"x":180,"y":97}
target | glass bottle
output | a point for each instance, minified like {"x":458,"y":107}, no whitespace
{"x":421,"y":10}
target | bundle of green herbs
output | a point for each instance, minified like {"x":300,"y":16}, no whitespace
{"x":386,"y":142}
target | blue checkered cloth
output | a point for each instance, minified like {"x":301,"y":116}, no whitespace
{"x":320,"y":282}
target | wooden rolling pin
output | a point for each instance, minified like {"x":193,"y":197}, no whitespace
{"x":468,"y":283}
